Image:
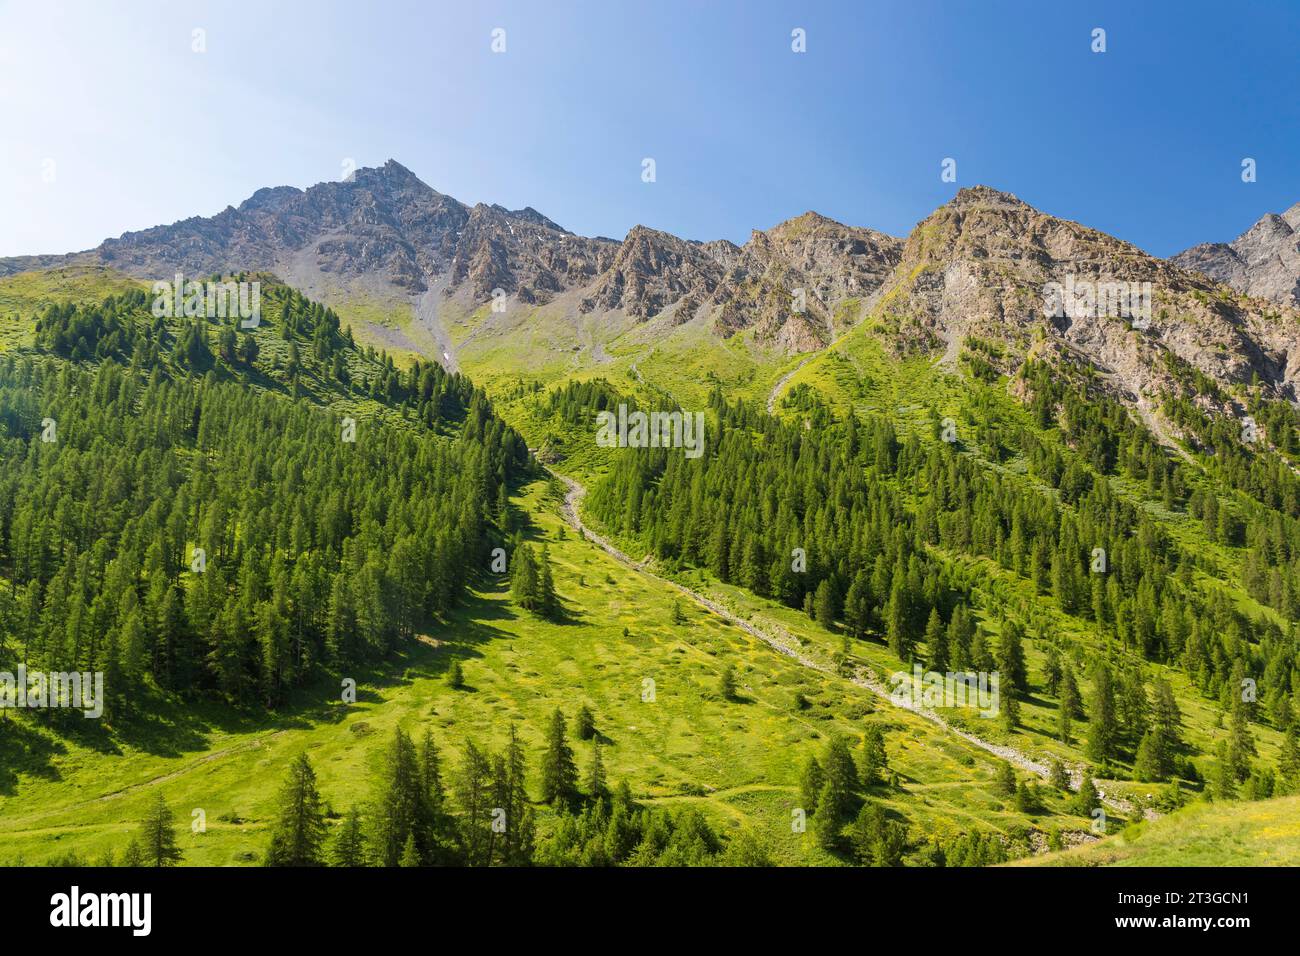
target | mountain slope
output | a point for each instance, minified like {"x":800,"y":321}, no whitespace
{"x":1262,"y":833}
{"x":386,"y":237}
{"x":511,"y":294}
{"x":980,"y":267}
{"x":1264,"y":261}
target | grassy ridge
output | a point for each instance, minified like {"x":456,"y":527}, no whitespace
{"x":1266,"y":833}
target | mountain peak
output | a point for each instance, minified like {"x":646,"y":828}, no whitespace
{"x":1292,"y":216}
{"x":1263,"y":261}
{"x":986,"y":196}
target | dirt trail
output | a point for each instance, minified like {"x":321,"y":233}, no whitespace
{"x":783,"y":381}
{"x":790,"y":646}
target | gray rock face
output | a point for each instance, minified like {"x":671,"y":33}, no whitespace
{"x":981,"y":266}
{"x":1263,"y":261}
{"x":385,"y":230}
{"x":977,"y":267}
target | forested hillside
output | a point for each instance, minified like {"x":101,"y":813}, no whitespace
{"x":181,"y":509}
{"x":1051,"y":530}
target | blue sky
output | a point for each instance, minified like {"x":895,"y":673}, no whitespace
{"x":1145,"y":140}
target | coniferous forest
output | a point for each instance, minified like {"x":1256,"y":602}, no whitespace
{"x":213,"y":516}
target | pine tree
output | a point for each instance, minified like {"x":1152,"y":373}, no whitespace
{"x":1102,"y":726}
{"x":824,"y":604}
{"x":1086,"y":798}
{"x":1146,"y":765}
{"x":1005,"y":781}
{"x":350,"y":844}
{"x":679,"y":615}
{"x":827,"y":821}
{"x":401,"y":809}
{"x":410,"y":856}
{"x":857,"y":605}
{"x":1165,"y":721}
{"x":133,"y":855}
{"x":559,"y":774}
{"x":960,"y":634}
{"x":1052,"y":671}
{"x":811,"y":781}
{"x":727,"y":683}
{"x":594,"y":785}
{"x":841,"y":777}
{"x":981,"y":658}
{"x":1010,"y":708}
{"x":549,"y":601}
{"x":936,"y":642}
{"x":875,"y":760}
{"x":1288,"y":765}
{"x":518,"y":839}
{"x":877,"y":840}
{"x":1013,"y":674}
{"x":476,"y":781}
{"x":158,"y":835}
{"x":298,"y":834}
{"x":1241,"y":743}
{"x":1058,"y":777}
{"x":525,"y":589}
{"x":897,"y":619}
{"x":1225,"y":778}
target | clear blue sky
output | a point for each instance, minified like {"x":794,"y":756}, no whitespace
{"x":1144,"y":141}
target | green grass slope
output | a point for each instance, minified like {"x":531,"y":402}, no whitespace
{"x":1264,"y":833}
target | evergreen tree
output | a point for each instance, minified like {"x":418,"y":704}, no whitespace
{"x":679,"y":616}
{"x":350,"y":844}
{"x":1086,"y":799}
{"x":875,"y":760}
{"x":594,"y":785}
{"x":1005,"y":781}
{"x":811,"y":781}
{"x":1241,"y":743}
{"x":1058,"y":777}
{"x":298,"y":834}
{"x":936,"y":642}
{"x":1288,"y":765}
{"x":1147,"y":764}
{"x":1102,"y":724}
{"x":410,"y":856}
{"x":727,"y":682}
{"x":1011,"y":661}
{"x":519,"y":836}
{"x":841,"y":778}
{"x":824,"y":604}
{"x":559,"y":773}
{"x":827,"y":821}
{"x":158,"y":835}
{"x":401,"y":810}
{"x":877,"y":840}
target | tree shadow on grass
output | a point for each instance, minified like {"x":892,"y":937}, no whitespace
{"x":170,"y":725}
{"x":26,"y":748}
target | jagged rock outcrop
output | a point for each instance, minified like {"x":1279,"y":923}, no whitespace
{"x":385,"y":229}
{"x":979,"y":267}
{"x":1263,"y":261}
{"x":985,"y":266}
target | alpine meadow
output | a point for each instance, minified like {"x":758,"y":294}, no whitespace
{"x":357,"y":526}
